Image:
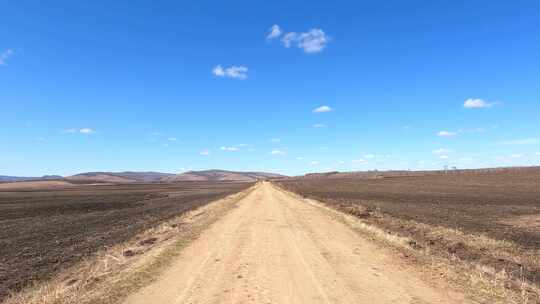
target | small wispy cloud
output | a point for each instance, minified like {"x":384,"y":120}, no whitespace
{"x":443,"y":156}
{"x":172,"y":139}
{"x":81,"y":131}
{"x":314,"y":163}
{"x":445,"y":133}
{"x":5,"y":55}
{"x":517,"y":155}
{"x":275,"y":140}
{"x":278,"y":152}
{"x":477,"y":103}
{"x":301,"y":158}
{"x":312,"y":41}
{"x":204,"y":152}
{"x":441,"y":151}
{"x":524,"y":141}
{"x":275,"y":32}
{"x":288,"y":39}
{"x":235,"y":72}
{"x":319,"y":125}
{"x":322,"y":109}
{"x":359,"y":161}
{"x":86,"y":131}
{"x":229,"y":148}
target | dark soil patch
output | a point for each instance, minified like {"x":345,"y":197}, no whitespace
{"x":45,"y":231}
{"x":473,"y":203}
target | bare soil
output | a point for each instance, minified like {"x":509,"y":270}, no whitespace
{"x":45,"y":231}
{"x":446,"y":211}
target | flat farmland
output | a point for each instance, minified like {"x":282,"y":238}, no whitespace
{"x":44,"y":231}
{"x":444,"y":212}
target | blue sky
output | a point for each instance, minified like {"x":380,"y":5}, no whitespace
{"x":176,"y":85}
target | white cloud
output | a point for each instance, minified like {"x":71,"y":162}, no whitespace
{"x":341,"y":162}
{"x":319,"y":125}
{"x":441,"y":151}
{"x":172,"y":139}
{"x":359,"y":161}
{"x":86,"y":131}
{"x":235,"y":72}
{"x":314,"y":163}
{"x":231,"y":149}
{"x":275,"y":140}
{"x":5,"y":55}
{"x":516,"y":156}
{"x":476,"y":103}
{"x":299,"y":158}
{"x":537,"y":153}
{"x":278,"y":152}
{"x":524,"y":141}
{"x":369,"y":156}
{"x":205,"y":152}
{"x":218,"y":71}
{"x":443,"y":157}
{"x":41,"y":139}
{"x":322,"y":109}
{"x":275,"y":32}
{"x":312,"y":41}
{"x":445,"y":133}
{"x":82,"y":131}
{"x":288,"y":39}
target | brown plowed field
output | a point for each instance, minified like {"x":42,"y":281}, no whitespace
{"x":502,"y":206}
{"x":44,"y":231}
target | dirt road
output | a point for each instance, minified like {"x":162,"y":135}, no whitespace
{"x":275,"y":248}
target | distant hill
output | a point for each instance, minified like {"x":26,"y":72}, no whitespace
{"x":222,"y":175}
{"x":9,"y":179}
{"x":119,"y":177}
{"x":146,"y":177}
{"x":405,"y":173}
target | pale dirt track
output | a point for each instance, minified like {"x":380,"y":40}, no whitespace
{"x":275,"y":248}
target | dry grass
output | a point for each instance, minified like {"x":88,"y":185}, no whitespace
{"x":481,"y":282}
{"x":111,"y":274}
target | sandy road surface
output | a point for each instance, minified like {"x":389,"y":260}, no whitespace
{"x":275,"y":248}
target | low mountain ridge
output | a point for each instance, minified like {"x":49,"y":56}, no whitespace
{"x":223,"y":175}
{"x":120,"y":177}
{"x":6,"y":178}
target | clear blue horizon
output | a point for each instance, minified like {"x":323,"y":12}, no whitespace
{"x":258,"y":86}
